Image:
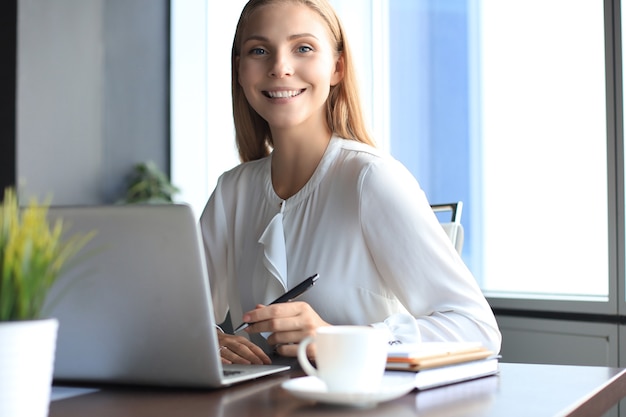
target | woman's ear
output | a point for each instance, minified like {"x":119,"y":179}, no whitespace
{"x":339,"y":71}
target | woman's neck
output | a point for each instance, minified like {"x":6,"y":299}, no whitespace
{"x":294,"y":160}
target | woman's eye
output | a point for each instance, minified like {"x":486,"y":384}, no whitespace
{"x":303,"y":49}
{"x":257,"y":51}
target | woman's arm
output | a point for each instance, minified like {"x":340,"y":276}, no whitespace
{"x":419,"y":263}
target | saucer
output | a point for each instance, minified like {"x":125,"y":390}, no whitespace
{"x":313,"y":388}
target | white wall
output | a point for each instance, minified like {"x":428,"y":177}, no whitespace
{"x":92,"y":97}
{"x":59,"y":99}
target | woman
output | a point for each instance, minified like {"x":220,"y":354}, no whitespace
{"x":313,"y":195}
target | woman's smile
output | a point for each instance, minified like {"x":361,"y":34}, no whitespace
{"x":278,"y":94}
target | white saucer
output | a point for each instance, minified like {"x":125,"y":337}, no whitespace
{"x":312,"y":388}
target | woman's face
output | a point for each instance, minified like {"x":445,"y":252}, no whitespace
{"x":287,"y":66}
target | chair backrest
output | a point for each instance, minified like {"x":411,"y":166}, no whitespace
{"x":453,"y":228}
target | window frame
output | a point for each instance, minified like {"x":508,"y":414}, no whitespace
{"x":595,"y":308}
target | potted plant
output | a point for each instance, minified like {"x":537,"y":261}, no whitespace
{"x":33,"y":252}
{"x":149,"y":185}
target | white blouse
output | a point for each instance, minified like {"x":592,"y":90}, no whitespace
{"x":364,"y":224}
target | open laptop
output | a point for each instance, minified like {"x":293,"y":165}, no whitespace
{"x":136,"y":306}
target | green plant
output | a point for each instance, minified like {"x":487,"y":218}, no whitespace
{"x":32,"y":254}
{"x":147,"y":184}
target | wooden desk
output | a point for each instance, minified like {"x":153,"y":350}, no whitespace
{"x":519,"y":390}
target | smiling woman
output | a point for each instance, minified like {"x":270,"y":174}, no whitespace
{"x":314,"y":194}
{"x":308,"y":62}
{"x":524,"y":126}
{"x":269,"y":64}
{"x":203,"y":145}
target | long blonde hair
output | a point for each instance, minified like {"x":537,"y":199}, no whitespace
{"x":343,"y":107}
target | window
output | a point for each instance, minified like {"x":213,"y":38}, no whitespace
{"x":544,"y":148}
{"x":485,"y":101}
{"x":493,"y":106}
{"x":203,"y":144}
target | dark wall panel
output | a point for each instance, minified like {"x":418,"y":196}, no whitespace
{"x":8,"y":42}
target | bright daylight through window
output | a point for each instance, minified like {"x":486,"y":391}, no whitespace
{"x":487,"y":104}
{"x":512,"y":121}
{"x":544,"y":147}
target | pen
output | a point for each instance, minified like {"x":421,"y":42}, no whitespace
{"x":288,"y":296}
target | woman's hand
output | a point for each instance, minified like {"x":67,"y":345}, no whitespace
{"x":288,"y":324}
{"x":237,"y":349}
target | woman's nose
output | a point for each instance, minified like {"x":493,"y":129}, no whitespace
{"x":281,"y":66}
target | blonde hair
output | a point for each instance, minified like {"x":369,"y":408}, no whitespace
{"x":343,"y":106}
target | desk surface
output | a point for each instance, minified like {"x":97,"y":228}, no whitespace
{"x":519,"y":390}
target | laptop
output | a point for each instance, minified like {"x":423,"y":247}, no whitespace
{"x":135,"y":307}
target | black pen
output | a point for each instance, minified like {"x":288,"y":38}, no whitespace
{"x":292,"y":294}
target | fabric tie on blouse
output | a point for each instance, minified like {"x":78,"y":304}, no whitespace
{"x":274,"y":258}
{"x":274,"y":261}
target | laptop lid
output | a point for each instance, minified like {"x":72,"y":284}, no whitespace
{"x":136,"y":306}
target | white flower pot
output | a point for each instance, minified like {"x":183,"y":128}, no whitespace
{"x":26,"y":365}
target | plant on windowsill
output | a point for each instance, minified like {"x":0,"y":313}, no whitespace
{"x":149,"y":185}
{"x":33,"y":252}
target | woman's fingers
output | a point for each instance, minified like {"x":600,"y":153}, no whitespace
{"x":288,"y":324}
{"x":239,"y":350}
{"x":295,"y":316}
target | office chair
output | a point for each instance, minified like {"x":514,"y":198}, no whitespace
{"x":453,"y":228}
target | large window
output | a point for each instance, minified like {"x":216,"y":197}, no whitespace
{"x":544,"y":147}
{"x":504,"y":104}
{"x":493,"y":106}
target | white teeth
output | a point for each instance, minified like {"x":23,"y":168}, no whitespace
{"x":283,"y":94}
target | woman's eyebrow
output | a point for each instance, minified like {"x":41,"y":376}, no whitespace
{"x":302,"y":35}
{"x":255,"y":38}
{"x":290,"y":37}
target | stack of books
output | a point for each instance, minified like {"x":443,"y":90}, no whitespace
{"x":442,"y":363}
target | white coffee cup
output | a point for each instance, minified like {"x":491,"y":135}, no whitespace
{"x":348,"y":358}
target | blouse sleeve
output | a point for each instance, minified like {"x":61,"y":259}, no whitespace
{"x":213,"y":226}
{"x":419,"y":263}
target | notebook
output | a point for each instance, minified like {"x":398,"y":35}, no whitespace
{"x":136,"y":306}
